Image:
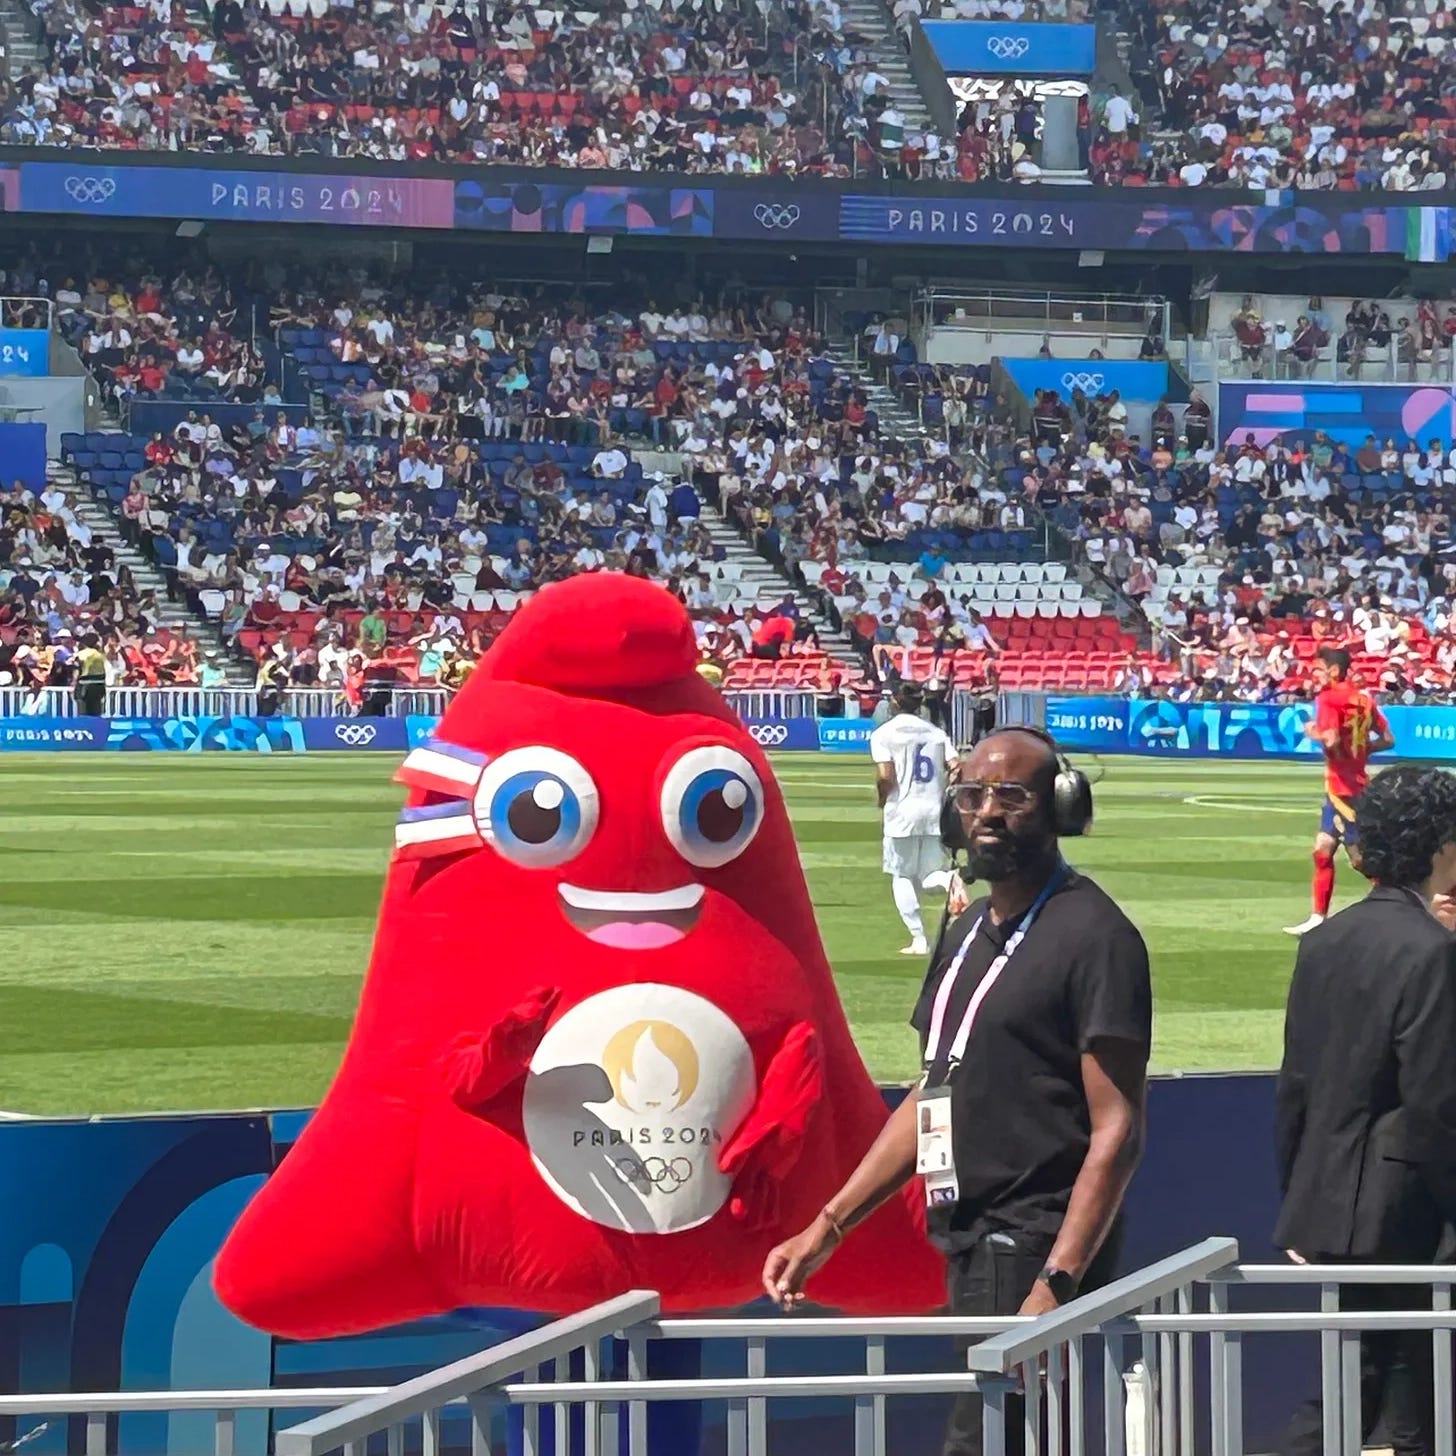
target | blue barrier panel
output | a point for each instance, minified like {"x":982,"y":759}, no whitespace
{"x":1008,"y":48}
{"x":418,"y":727}
{"x":25,"y":351}
{"x":1345,"y":412}
{"x":23,"y":453}
{"x":1134,"y":380}
{"x":1005,"y":48}
{"x":1159,"y":728}
{"x":353,"y":734}
{"x":31,"y":735}
{"x":196,"y":735}
{"x":104,"y":1270}
{"x":785,"y":733}
{"x":1095,"y":725}
{"x":845,"y":735}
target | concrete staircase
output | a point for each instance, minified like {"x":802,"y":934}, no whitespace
{"x":871,"y":18}
{"x":763,"y":579}
{"x":759,"y":577}
{"x":20,"y":35}
{"x":173,"y":615}
{"x":895,"y":419}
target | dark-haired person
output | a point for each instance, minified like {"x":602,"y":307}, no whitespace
{"x":1350,"y":728}
{"x":1365,"y":1123}
{"x":1035,"y":1021}
{"x":912,"y":758}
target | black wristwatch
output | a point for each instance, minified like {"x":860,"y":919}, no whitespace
{"x":1062,"y":1285}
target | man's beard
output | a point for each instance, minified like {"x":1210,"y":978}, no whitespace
{"x":1008,"y":856}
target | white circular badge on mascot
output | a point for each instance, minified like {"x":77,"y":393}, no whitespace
{"x":631,"y":1097}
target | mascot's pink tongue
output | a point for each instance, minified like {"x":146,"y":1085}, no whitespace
{"x":635,"y":934}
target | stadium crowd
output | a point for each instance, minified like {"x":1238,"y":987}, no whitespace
{"x":1246,"y":559}
{"x":70,"y":615}
{"x":690,"y":86}
{"x":1268,"y":96}
{"x":337,"y":456}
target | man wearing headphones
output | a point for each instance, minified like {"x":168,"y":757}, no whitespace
{"x":1035,"y":1022}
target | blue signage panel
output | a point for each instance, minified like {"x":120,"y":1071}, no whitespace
{"x":25,"y":351}
{"x":845,"y":735}
{"x":784,"y":733}
{"x":1345,"y":412}
{"x":85,"y":187}
{"x":1006,"y":48}
{"x":1164,"y":729}
{"x":1095,"y":725}
{"x":1132,"y":379}
{"x":175,"y":735}
{"x":352,"y":735}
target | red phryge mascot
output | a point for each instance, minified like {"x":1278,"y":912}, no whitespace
{"x":599,"y":1047}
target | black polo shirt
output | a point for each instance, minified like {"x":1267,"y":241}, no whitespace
{"x":1021,"y":1121}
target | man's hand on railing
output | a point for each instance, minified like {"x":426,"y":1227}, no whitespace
{"x":788,"y":1267}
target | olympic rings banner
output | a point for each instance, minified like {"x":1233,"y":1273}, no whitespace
{"x":1005,"y":48}
{"x":1157,"y":728}
{"x":783,"y":733}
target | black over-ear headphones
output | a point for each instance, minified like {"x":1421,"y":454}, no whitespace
{"x":1071,"y":797}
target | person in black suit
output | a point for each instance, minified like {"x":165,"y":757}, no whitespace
{"x":1366,"y":1100}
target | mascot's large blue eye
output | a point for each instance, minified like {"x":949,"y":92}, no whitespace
{"x":536,"y":806}
{"x":712,"y":806}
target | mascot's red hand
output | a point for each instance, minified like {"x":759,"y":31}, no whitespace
{"x":766,"y":1147}
{"x":477,"y":1068}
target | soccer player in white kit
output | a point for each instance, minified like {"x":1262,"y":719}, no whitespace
{"x":911,"y":759}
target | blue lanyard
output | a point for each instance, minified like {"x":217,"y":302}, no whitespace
{"x":1056,"y":880}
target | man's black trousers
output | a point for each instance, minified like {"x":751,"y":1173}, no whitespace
{"x":993,"y":1277}
{"x":1396,"y":1369}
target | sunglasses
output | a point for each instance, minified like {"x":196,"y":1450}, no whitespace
{"x":970,"y":794}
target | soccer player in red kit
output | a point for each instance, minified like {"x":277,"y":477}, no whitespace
{"x":1350,"y":728}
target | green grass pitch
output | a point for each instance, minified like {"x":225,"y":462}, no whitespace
{"x":190,"y":932}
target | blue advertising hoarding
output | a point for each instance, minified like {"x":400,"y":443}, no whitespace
{"x":104,"y":1276}
{"x":25,"y":352}
{"x":1009,"y":48}
{"x":791,"y":734}
{"x":153,"y":735}
{"x":1133,"y":379}
{"x":816,"y":210}
{"x":1271,"y":411}
{"x":1163,"y":729}
{"x":845,"y":735}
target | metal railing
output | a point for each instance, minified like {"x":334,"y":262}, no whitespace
{"x":1129,"y":1357}
{"x":1373,"y":365}
{"x":22,"y":311}
{"x":190,"y":702}
{"x":1006,"y":311}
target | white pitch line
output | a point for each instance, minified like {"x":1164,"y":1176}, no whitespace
{"x":1241,"y":806}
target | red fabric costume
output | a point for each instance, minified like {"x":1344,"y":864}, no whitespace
{"x":599,"y":1047}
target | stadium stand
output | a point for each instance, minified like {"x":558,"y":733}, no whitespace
{"x":61,"y":588}
{"x":688,"y":87}
{"x":1245,"y":96}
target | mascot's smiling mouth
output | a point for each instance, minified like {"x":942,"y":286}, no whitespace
{"x":630,"y":921}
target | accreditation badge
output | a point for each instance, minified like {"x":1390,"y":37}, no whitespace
{"x":934,"y":1148}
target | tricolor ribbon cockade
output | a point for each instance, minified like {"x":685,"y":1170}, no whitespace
{"x":448,"y":828}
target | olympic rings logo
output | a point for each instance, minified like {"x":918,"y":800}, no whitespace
{"x":658,"y":1173}
{"x":90,"y":189}
{"x":768,"y":735}
{"x":772,"y":215}
{"x":1084,"y":382}
{"x":356,"y":735}
{"x":1008,"y":47}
